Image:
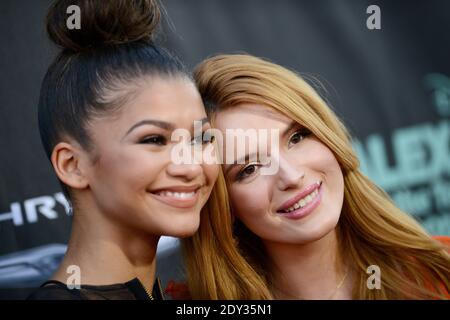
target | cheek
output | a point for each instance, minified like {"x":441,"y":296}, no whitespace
{"x":320,"y":158}
{"x":331,"y":167}
{"x":211,"y":173}
{"x":328,"y":165}
{"x":250,"y":200}
{"x":131,"y":169}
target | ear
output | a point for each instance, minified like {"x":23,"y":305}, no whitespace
{"x":67,"y":161}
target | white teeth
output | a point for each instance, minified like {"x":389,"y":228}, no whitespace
{"x":179,"y":195}
{"x":304,"y":201}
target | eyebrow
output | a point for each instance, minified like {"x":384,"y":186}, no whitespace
{"x":291,"y":125}
{"x":162,"y":124}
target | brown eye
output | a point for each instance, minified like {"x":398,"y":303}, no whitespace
{"x":208,"y":138}
{"x":247,"y":171}
{"x":205,"y":138}
{"x":157,"y":139}
{"x":298,"y":136}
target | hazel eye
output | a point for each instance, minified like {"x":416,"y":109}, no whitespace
{"x":298,"y":136}
{"x":156,"y":139}
{"x":247,"y":171}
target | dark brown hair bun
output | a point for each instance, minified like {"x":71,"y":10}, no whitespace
{"x":103,"y":22}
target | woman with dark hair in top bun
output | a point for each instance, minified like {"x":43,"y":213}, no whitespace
{"x":108,"y":106}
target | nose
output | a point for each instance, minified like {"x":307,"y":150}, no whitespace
{"x":187,"y":172}
{"x":288,"y":175}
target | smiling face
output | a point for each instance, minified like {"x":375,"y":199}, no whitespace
{"x":302,"y":201}
{"x":132,"y":178}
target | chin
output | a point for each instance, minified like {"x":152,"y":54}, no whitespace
{"x":183,"y":230}
{"x":320,"y":233}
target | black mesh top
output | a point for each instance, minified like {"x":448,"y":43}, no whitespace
{"x":131,"y":290}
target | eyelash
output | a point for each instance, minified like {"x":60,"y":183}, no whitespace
{"x":161,"y":140}
{"x":240,"y":176}
{"x":156,"y":139}
{"x":203,"y":140}
{"x":304,"y":133}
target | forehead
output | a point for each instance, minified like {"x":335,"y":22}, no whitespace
{"x":173,"y":100}
{"x":167,"y":99}
{"x":245,"y":116}
{"x":170,"y":99}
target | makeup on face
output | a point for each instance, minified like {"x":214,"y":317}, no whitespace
{"x":136,"y":179}
{"x":303,"y":203}
{"x":178,"y":196}
{"x":298,"y":203}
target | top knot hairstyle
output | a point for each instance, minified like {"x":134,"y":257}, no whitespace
{"x":97,"y":64}
{"x":103,"y":23}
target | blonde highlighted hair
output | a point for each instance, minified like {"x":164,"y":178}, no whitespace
{"x":223,"y":263}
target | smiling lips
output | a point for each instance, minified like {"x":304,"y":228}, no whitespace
{"x":303,"y":203}
{"x":178,"y":196}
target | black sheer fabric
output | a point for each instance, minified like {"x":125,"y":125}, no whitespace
{"x":131,"y":290}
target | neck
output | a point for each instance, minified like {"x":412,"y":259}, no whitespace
{"x":309,"y":271}
{"x":108,"y":252}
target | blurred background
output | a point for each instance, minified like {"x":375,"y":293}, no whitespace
{"x":390,"y":86}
